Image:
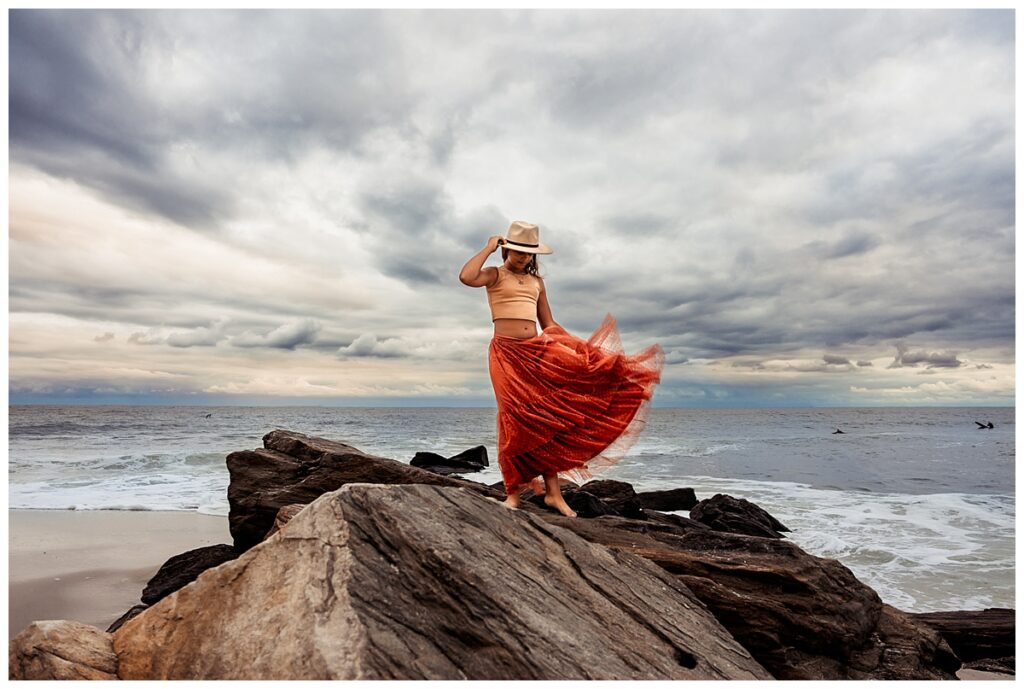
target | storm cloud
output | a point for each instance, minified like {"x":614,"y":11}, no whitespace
{"x":278,"y":203}
{"x":905,"y":357}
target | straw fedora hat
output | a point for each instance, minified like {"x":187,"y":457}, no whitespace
{"x":525,"y":237}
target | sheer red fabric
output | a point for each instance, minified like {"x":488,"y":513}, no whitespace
{"x":568,"y":405}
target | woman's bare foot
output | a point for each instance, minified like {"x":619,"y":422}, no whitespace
{"x":512,"y":501}
{"x":558,"y":502}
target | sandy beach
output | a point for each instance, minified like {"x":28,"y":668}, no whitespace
{"x":91,"y":566}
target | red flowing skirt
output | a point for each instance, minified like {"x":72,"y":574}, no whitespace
{"x":567,"y":405}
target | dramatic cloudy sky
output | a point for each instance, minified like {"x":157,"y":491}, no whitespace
{"x":801,"y":207}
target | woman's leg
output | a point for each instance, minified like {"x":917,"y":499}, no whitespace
{"x":553,"y":495}
{"x":512,"y":497}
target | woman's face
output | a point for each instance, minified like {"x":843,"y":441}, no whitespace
{"x":518,"y":259}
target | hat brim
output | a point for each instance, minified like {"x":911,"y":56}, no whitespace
{"x":541,"y":248}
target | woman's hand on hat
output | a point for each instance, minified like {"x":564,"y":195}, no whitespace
{"x":494,"y":242}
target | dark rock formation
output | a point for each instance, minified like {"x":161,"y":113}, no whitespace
{"x":685,"y":523}
{"x":132,"y":612}
{"x":283,"y":516}
{"x":429,"y":582}
{"x":584,"y":504}
{"x":736,"y":515}
{"x":975,"y":634}
{"x":177,"y":572}
{"x":618,"y":495}
{"x":183,"y":569}
{"x":800,"y":616}
{"x":473,"y":459}
{"x":424,"y":460}
{"x":899,"y":649}
{"x":473,"y":456}
{"x":671,"y":500}
{"x":295,"y":468}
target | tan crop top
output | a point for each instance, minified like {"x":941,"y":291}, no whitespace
{"x":509,"y":299}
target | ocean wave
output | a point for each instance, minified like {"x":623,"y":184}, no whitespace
{"x":56,"y":428}
{"x":662,"y":450}
{"x":152,"y":492}
{"x":100,"y":466}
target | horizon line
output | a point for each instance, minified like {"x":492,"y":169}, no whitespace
{"x":464,"y":406}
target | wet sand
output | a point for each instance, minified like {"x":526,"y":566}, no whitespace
{"x":91,"y":566}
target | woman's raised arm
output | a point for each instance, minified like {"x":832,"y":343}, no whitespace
{"x":472,"y":273}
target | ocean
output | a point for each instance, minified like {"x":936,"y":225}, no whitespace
{"x":917,"y":502}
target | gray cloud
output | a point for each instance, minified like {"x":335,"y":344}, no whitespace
{"x":76,"y":111}
{"x":414,"y":232}
{"x":905,"y":357}
{"x":367,"y":345}
{"x":852,"y":244}
{"x":141,"y":338}
{"x":199,"y":337}
{"x":828,"y":364}
{"x":287,"y":336}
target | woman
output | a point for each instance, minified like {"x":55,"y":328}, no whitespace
{"x":565,"y":405}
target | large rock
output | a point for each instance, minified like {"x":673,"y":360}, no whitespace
{"x":899,"y":649}
{"x":618,"y":495}
{"x":429,"y":582}
{"x":800,"y":616}
{"x":975,"y":634}
{"x":584,"y":503}
{"x":671,"y":500}
{"x":61,"y":649}
{"x":736,"y":515}
{"x":295,"y":468}
{"x":184,"y":568}
{"x":475,"y":456}
{"x":684,"y":523}
{"x":467,"y":461}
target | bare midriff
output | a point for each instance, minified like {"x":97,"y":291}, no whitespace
{"x":515,"y":327}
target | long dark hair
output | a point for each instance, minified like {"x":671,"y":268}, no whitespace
{"x":532,"y":268}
